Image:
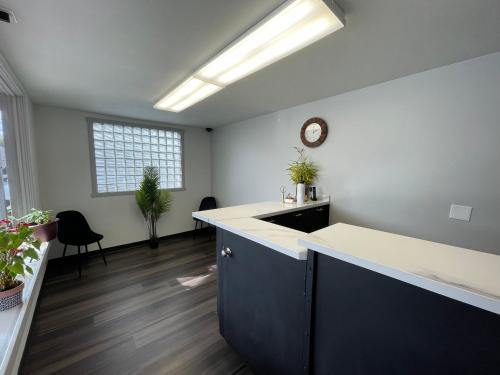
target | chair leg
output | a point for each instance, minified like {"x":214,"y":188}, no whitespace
{"x":79,"y":263}
{"x":64,"y":251}
{"x":102,"y":253}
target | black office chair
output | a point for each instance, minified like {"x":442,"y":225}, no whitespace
{"x":74,"y":230}
{"x":207,"y":203}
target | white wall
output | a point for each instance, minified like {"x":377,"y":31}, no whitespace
{"x":65,"y":178}
{"x":397,"y":154}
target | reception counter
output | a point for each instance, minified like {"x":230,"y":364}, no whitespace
{"x":349,"y":300}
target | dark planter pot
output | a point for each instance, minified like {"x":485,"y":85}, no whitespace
{"x":46,"y":232}
{"x":153,"y":243}
{"x":11,"y":298}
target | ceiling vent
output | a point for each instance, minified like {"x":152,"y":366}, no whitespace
{"x":7,"y":15}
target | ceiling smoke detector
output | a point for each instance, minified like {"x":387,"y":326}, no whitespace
{"x":6,"y":15}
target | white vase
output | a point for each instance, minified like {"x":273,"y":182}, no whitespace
{"x":301,"y":193}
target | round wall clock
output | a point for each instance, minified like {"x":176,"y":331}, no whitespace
{"x":314,"y":132}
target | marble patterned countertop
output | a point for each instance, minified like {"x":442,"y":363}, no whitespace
{"x":244,"y":220}
{"x":469,"y":276}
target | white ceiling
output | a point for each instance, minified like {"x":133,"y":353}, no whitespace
{"x":120,"y":56}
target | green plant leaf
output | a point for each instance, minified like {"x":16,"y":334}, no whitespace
{"x":37,"y":216}
{"x":17,"y":269}
{"x":151,"y":200}
{"x":302,"y":170}
{"x":31,"y":253}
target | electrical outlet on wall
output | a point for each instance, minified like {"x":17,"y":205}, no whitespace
{"x":459,"y":212}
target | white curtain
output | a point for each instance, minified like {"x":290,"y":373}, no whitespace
{"x":17,"y":118}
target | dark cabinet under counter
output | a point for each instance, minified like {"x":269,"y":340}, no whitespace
{"x":261,"y":305}
{"x":323,"y":315}
{"x":307,"y":220}
{"x":367,"y":323}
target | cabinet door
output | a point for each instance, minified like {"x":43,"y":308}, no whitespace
{"x":307,"y":221}
{"x":317,"y":218}
{"x":294,"y":220}
{"x":263,"y":306}
{"x":298,"y":221}
{"x":220,"y":278}
{"x":284,"y":220}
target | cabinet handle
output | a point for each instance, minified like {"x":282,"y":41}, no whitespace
{"x":226,"y":252}
{"x":298,"y":215}
{"x":319,"y":209}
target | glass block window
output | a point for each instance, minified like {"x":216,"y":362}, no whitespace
{"x":121,"y":151}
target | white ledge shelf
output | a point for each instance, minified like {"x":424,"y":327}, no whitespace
{"x":15,"y":323}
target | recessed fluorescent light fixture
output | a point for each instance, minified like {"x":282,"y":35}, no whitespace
{"x":293,"y":26}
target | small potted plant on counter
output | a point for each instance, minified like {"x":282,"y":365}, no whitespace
{"x":44,"y":226}
{"x":302,"y":172}
{"x":152,"y":201}
{"x":17,"y":246}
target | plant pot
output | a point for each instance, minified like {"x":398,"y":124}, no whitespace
{"x":46,"y":232}
{"x":301,"y":192}
{"x":153,"y":242}
{"x":11,"y":298}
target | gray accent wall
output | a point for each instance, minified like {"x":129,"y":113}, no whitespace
{"x":63,"y":160}
{"x":398,"y":154}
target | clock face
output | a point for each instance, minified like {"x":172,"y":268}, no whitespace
{"x":314,"y":132}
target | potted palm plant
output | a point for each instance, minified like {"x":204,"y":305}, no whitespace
{"x":17,"y":246}
{"x":302,"y":172}
{"x":152,"y":201}
{"x":44,"y":226}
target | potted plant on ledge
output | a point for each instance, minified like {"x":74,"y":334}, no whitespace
{"x":44,"y":226}
{"x":152,"y":201}
{"x":302,"y":172}
{"x":17,"y":246}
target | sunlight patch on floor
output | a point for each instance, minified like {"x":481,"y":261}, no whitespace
{"x":194,"y":281}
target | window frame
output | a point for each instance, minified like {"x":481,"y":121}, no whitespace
{"x":93,"y":174}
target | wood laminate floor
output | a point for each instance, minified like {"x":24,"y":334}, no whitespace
{"x":147,"y":312}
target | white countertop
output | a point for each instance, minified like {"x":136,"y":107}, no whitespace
{"x":469,"y":276}
{"x":255,"y":210}
{"x":15,"y":322}
{"x":244,"y":221}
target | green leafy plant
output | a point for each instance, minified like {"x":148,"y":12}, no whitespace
{"x":17,"y":246}
{"x":152,"y":201}
{"x":302,"y":170}
{"x":37,"y":217}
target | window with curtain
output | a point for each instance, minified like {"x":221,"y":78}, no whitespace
{"x":5,"y":208}
{"x":19,"y":191}
{"x":120,"y":151}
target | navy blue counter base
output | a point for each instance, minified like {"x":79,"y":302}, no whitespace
{"x":325,"y":316}
{"x":368,"y":323}
{"x":261,"y":306}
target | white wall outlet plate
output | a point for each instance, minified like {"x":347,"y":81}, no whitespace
{"x":460,"y":212}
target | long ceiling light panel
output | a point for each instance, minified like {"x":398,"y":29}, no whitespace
{"x":291,"y":27}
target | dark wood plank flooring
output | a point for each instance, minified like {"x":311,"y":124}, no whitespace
{"x":148,"y":312}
